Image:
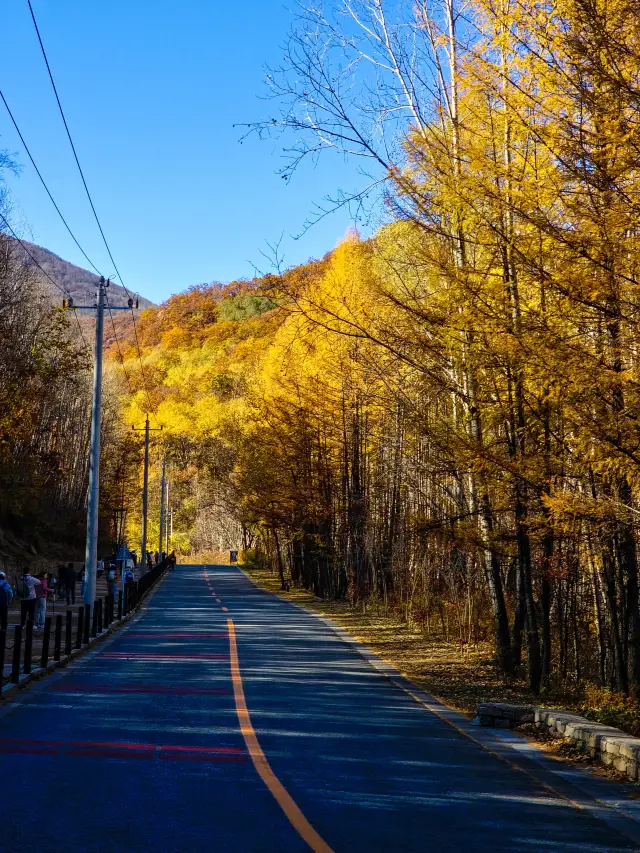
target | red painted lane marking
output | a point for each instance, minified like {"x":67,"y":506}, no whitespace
{"x":30,"y":750}
{"x":124,"y":749}
{"x":164,"y":655}
{"x":178,"y":635}
{"x":154,"y":688}
{"x":23,"y":742}
{"x":223,"y":749}
{"x":203,"y":757}
{"x":110,"y":753}
{"x":143,"y":747}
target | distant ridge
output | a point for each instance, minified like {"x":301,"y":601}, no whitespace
{"x":76,"y":281}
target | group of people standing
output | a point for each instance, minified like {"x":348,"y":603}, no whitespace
{"x":34,"y":590}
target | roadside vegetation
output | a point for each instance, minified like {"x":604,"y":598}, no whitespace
{"x":439,"y":423}
{"x":434,"y":425}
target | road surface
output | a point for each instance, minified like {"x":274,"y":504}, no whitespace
{"x":226,"y":719}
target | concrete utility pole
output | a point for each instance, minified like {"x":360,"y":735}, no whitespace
{"x":167,"y":515}
{"x":145,"y":488}
{"x":91,"y":550}
{"x":162,"y":492}
{"x":91,"y":547}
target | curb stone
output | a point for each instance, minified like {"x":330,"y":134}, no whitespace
{"x":606,"y":744}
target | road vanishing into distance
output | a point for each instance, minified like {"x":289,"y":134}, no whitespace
{"x":225,"y":719}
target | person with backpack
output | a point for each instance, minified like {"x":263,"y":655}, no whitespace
{"x":129,"y":577}
{"x":42,"y":593}
{"x":6,"y":594}
{"x":27,"y":592}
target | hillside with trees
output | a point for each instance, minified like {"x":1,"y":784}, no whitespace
{"x":444,"y":417}
{"x":76,"y":281}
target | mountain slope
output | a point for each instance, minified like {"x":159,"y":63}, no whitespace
{"x":76,"y":281}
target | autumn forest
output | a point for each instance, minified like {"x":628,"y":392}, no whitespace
{"x":441,"y":416}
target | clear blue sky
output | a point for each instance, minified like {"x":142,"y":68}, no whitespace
{"x":151,"y":89}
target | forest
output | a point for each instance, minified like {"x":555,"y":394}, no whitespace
{"x":440,"y":416}
{"x":444,"y":415}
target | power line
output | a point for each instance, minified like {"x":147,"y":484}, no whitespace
{"x":44,"y":272}
{"x":44,"y":184}
{"x":66,"y":224}
{"x":84,"y":182}
{"x":124,"y":370}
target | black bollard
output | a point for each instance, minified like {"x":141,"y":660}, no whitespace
{"x":57,"y":642}
{"x":17,"y":648}
{"x":3,"y":646}
{"x":80,"y":626}
{"x":68,"y":635}
{"x":119,"y":604}
{"x":99,"y":604}
{"x":28,"y":647}
{"x":94,"y":621}
{"x":87,"y":623}
{"x":44,"y":657}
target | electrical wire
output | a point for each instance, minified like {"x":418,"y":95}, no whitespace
{"x":95,"y":214}
{"x":53,"y":281}
{"x":115,"y":333}
{"x":44,"y":184}
{"x":66,"y":224}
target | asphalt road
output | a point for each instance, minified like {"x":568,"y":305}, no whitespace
{"x":226,"y":719}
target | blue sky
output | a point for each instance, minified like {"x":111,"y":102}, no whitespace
{"x":151,"y":89}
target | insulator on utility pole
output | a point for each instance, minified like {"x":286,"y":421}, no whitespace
{"x":130,"y":302}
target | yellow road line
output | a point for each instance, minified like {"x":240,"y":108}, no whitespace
{"x":275,"y":786}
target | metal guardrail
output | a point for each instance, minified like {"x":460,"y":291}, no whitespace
{"x":106,"y":610}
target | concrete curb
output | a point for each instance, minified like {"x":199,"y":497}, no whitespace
{"x":607,"y":744}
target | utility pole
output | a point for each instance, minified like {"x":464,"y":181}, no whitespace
{"x":162,"y":492}
{"x":145,"y":488}
{"x":91,"y":547}
{"x":167,"y":515}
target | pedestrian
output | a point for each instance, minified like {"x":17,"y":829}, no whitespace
{"x":6,"y":594}
{"x":52,"y":583}
{"x":129,"y":577}
{"x":83,"y":578}
{"x":149,"y":561}
{"x":112,"y":582}
{"x":62,"y":573}
{"x":70,"y":584}
{"x":42,"y":592}
{"x":100,"y":568}
{"x":27,"y":592}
